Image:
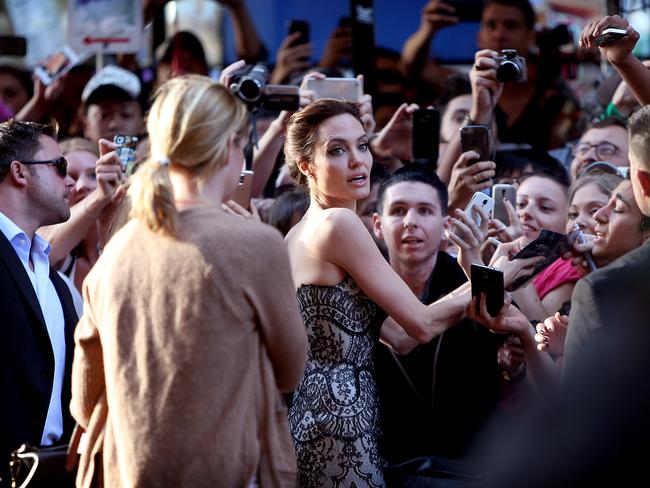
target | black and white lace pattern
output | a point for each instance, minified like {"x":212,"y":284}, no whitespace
{"x":334,"y":418}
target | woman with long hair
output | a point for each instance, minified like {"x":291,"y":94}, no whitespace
{"x":191,"y":329}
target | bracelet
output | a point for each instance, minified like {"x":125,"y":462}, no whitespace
{"x":612,"y":111}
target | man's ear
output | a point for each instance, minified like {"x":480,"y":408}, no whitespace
{"x":376,"y":226}
{"x":644,"y":180}
{"x":17,"y":174}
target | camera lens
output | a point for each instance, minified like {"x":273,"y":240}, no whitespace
{"x":250,"y":90}
{"x":484,"y":202}
{"x":508,"y":71}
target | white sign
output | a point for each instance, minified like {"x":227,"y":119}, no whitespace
{"x":105,"y":26}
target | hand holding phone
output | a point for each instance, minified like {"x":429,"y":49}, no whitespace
{"x":476,"y":138}
{"x":300,"y":26}
{"x":482,"y":201}
{"x":485,"y":279}
{"x":126,"y":146}
{"x":609,"y":36}
{"x":500,"y":192}
{"x":56,"y":65}
{"x":551,"y":245}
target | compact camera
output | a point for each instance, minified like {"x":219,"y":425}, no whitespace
{"x":511,"y":66}
{"x":249,"y":85}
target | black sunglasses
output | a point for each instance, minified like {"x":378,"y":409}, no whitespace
{"x":61,"y":164}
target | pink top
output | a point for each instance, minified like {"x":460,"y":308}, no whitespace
{"x":560,"y":272}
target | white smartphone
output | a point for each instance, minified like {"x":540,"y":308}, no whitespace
{"x":609,"y":36}
{"x":499,"y":192}
{"x":56,"y":65}
{"x":242,"y":193}
{"x":482,"y":201}
{"x":341,"y":88}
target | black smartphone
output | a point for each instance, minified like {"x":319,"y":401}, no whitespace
{"x":301,"y":26}
{"x":468,"y":10}
{"x":610,"y":35}
{"x":426,"y":136}
{"x":551,"y":245}
{"x":476,"y":138}
{"x":13,"y":46}
{"x":345,"y":21}
{"x":489,"y":281}
{"x":362,"y":13}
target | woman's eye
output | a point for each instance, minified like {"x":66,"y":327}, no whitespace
{"x":398,"y":211}
{"x":337,"y":151}
{"x":363,"y":146}
{"x":572,"y":215}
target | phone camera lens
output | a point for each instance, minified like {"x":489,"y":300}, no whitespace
{"x":484,"y":202}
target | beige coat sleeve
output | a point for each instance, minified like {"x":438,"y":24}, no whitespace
{"x":272,"y":293}
{"x":88,"y":365}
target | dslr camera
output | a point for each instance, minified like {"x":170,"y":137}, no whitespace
{"x":511,"y":66}
{"x":249,"y":85}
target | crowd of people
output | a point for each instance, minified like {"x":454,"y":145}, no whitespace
{"x":326,"y":332}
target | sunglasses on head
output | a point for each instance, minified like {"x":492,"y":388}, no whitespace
{"x":61,"y":164}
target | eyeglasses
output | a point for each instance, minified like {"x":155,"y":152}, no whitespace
{"x":604,"y":150}
{"x":61,"y":164}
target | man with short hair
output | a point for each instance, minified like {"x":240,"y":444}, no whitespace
{"x":38,"y":316}
{"x":436,"y":398}
{"x":605,"y":140}
{"x":111,"y":105}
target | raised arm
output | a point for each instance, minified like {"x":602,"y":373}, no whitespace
{"x":247,"y":42}
{"x":619,"y":54}
{"x":346,"y":243}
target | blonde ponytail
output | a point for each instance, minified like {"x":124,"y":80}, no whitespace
{"x":152,"y":198}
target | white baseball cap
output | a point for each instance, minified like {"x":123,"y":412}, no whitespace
{"x":112,"y":76}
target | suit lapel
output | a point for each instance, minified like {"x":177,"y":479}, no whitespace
{"x":19,"y":275}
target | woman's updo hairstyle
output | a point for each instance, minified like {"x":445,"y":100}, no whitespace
{"x":190,"y":123}
{"x":301,"y":132}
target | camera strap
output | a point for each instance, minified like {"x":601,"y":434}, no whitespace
{"x":252,"y":140}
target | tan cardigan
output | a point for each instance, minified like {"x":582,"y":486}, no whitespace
{"x":181,"y":352}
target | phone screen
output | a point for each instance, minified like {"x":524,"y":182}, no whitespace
{"x":300,"y":26}
{"x":551,"y":245}
{"x":126,"y":152}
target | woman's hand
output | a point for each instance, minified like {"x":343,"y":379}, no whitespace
{"x":225,"y":78}
{"x":467,"y":178}
{"x":515,"y":269}
{"x":509,"y":319}
{"x":511,"y":356}
{"x":551,"y":335}
{"x":469,"y":237}
{"x":394,"y":140}
{"x":233,"y":208}
{"x":503,"y":232}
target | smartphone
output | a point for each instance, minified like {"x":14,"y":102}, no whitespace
{"x":499,"y":192}
{"x":610,"y":35}
{"x":476,"y":138}
{"x":426,"y":136}
{"x":576,"y":234}
{"x":126,"y":152}
{"x":345,"y":21}
{"x":56,"y":65}
{"x":467,"y":10}
{"x":362,"y":13}
{"x":242,"y":193}
{"x":488,"y":280}
{"x":551,"y":245}
{"x":301,"y":26}
{"x":13,"y":46}
{"x":341,"y":88}
{"x":482,"y":201}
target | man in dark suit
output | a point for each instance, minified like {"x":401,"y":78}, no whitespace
{"x":37,"y":313}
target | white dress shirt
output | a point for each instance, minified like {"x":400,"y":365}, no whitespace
{"x":52,"y":312}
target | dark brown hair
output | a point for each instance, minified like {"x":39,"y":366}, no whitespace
{"x":638,"y":126}
{"x":301,"y":132}
{"x":21,"y":141}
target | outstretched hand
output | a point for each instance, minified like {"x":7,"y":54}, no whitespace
{"x":394,"y":140}
{"x":551,"y":335}
{"x":616,"y":51}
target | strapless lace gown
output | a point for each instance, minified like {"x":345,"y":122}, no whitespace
{"x":334,"y":417}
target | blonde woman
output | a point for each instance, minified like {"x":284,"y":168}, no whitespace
{"x":191,"y":329}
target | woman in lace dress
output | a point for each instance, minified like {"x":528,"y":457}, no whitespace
{"x":345,"y":291}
